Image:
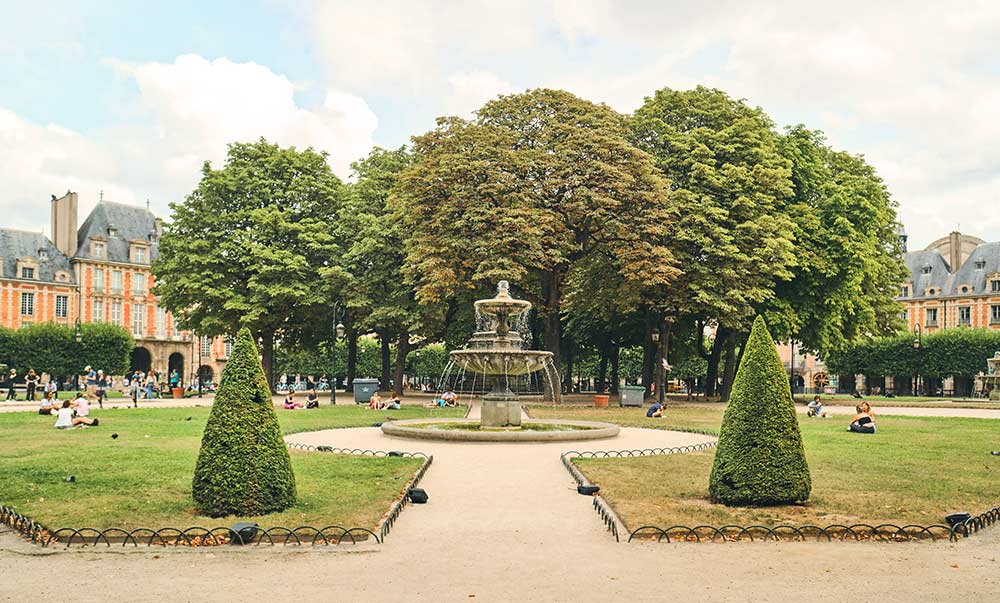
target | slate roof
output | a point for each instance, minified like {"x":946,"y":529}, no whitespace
{"x":131,"y":223}
{"x":987,"y":254}
{"x":16,"y":244}
{"x":939,"y":277}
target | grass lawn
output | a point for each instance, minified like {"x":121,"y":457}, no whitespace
{"x":914,"y":470}
{"x":143,"y":478}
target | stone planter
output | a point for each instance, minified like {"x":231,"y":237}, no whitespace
{"x":601,"y":400}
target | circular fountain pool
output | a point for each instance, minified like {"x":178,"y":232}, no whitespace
{"x":469,"y":430}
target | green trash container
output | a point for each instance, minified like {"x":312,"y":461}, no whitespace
{"x":632,"y":395}
{"x":363,"y":390}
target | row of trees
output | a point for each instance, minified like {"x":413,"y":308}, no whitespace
{"x":694,"y":212}
{"x":946,"y":353}
{"x":52,"y":348}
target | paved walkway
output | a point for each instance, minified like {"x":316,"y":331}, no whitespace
{"x":504,"y":522}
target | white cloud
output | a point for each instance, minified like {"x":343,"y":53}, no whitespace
{"x":194,"y":108}
{"x":471,"y":89}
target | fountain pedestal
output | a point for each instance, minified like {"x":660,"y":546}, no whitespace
{"x":501,"y":407}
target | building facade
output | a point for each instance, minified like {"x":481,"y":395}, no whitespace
{"x":100,"y":271}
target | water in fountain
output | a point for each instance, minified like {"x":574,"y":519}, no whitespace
{"x":495,"y":353}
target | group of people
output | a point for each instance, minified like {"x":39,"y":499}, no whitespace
{"x":299,"y":382}
{"x":68,"y":413}
{"x":448,"y":398}
{"x":312,"y":400}
{"x":863,"y":421}
{"x":31,"y":381}
{"x":377,"y":403}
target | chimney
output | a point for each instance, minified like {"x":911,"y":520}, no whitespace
{"x":901,"y":233}
{"x":64,"y":217}
{"x":158,"y":226}
{"x":955,"y":250}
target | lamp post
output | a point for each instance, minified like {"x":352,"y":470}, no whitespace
{"x":198,"y":373}
{"x":338,"y":331}
{"x":655,"y":336}
{"x":918,"y":346}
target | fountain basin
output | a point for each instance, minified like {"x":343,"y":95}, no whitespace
{"x":536,"y":430}
{"x":500,"y":361}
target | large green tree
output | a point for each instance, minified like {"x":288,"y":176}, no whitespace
{"x":536,"y":186}
{"x":251,"y":245}
{"x":728,"y":183}
{"x":848,"y":254}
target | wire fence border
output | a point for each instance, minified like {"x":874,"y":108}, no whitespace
{"x":199,"y":536}
{"x":885,"y":532}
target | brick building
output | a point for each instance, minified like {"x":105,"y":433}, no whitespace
{"x":100,"y":271}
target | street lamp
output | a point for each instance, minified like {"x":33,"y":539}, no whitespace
{"x":655,"y":336}
{"x":338,"y":331}
{"x":917,"y":345}
{"x":78,"y":332}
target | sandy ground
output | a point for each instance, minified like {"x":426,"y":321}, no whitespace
{"x":504,"y":523}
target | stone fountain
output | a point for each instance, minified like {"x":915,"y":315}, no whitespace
{"x":992,"y":377}
{"x":497,"y":353}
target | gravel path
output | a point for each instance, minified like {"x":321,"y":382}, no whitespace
{"x":504,"y":523}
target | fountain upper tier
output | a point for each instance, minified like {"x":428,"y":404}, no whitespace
{"x":496,"y":350}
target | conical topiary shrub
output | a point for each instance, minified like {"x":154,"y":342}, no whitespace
{"x":760,"y":459}
{"x":243,"y":466}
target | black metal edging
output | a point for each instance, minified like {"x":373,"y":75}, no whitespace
{"x":729,"y":533}
{"x":397,"y":507}
{"x":24,"y":525}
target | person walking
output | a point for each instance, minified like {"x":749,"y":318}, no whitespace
{"x":90,"y":379}
{"x":102,"y":388}
{"x":9,"y":384}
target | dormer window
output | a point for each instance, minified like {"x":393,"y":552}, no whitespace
{"x":931,"y":291}
{"x":112,"y":231}
{"x":140,"y":255}
{"x":27,"y":273}
{"x":995,"y":286}
{"x":43,"y":253}
{"x":153,"y":237}
{"x":965,"y":289}
{"x":980,"y":265}
{"x":925,"y":270}
{"x":904,"y":291}
{"x":98,"y":249}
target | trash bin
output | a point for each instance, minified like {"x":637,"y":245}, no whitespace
{"x":632,"y":395}
{"x":363,"y":390}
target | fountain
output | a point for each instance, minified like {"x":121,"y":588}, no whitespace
{"x":992,"y":378}
{"x":496,"y":353}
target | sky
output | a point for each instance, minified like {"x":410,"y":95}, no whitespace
{"x":128,"y":99}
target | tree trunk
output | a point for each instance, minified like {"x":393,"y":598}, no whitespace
{"x":567,"y":383}
{"x":386,"y":361}
{"x":664,"y":327}
{"x":551,"y":283}
{"x":352,"y":359}
{"x":648,"y":353}
{"x":402,"y":349}
{"x":729,"y":372}
{"x":267,"y":357}
{"x":712,"y":376}
{"x":615,"y":360}
{"x":602,"y":370}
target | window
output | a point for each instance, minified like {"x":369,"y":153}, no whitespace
{"x":99,"y":250}
{"x":27,"y":273}
{"x":931,"y":291}
{"x":229,"y":346}
{"x":995,"y":286}
{"x":138,"y":284}
{"x":980,"y":265}
{"x":965,"y":289}
{"x":930,"y":317}
{"x":965,"y":315}
{"x":62,"y":306}
{"x":905,"y":315}
{"x":43,"y":254}
{"x":925,"y":270}
{"x":116,"y":312}
{"x":995,"y":315}
{"x":904,"y":291}
{"x":97,"y":310}
{"x":140,"y":255}
{"x":98,"y":279}
{"x":27,"y":304}
{"x":138,"y":319}
{"x":161,"y":322}
{"x":116,"y":281}
{"x":206,"y":346}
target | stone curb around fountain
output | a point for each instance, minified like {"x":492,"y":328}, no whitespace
{"x":596,"y":431}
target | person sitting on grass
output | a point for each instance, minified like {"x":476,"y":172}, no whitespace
{"x":375,"y":403}
{"x":655,"y":411}
{"x":312,"y":400}
{"x":815,"y":408}
{"x":290,"y":402}
{"x":49,"y":405}
{"x":392,"y":403}
{"x":81,"y":410}
{"x":863,"y":422}
{"x":449,"y":397}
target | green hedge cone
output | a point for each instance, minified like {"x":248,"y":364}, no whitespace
{"x":760,"y":459}
{"x":243,"y":465}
